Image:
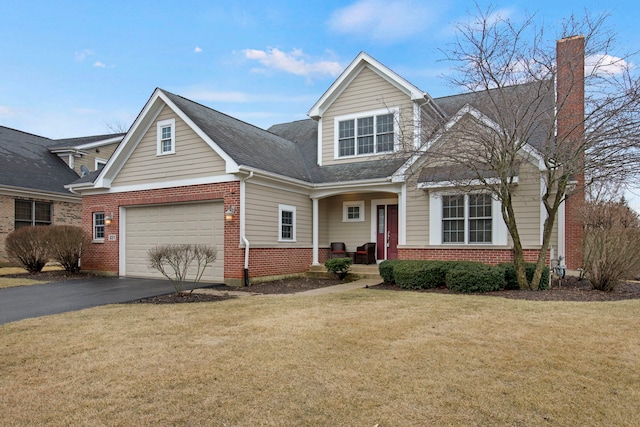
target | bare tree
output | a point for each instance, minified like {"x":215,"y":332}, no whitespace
{"x":579,"y":122}
{"x":117,"y":126}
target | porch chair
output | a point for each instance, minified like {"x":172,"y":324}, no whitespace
{"x":338,"y":250}
{"x":366,"y":254}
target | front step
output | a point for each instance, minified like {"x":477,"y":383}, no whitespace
{"x":357,"y":271}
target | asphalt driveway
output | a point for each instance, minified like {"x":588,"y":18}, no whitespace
{"x":24,"y":302}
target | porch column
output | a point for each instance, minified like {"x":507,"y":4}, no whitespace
{"x":315,"y":231}
{"x":402,"y":215}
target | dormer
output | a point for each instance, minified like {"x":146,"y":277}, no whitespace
{"x":367,"y":113}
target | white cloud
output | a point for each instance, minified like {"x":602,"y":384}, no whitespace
{"x":206,"y":95}
{"x":294,"y":62}
{"x":383,"y":20}
{"x":197,"y":49}
{"x":83,"y":54}
{"x":6,"y":111}
{"x":99,"y":64}
{"x":604,"y":64}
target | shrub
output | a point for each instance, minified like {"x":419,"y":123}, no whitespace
{"x":386,"y":270}
{"x":511,"y":281}
{"x":474,"y":278}
{"x":29,"y":247}
{"x":174,"y":260}
{"x":338,"y":266}
{"x":611,"y":243}
{"x":419,"y":274}
{"x":65,"y":245}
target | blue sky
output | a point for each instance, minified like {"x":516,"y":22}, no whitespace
{"x":72,"y":68}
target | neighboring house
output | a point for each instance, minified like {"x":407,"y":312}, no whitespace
{"x":273,"y":201}
{"x":33,"y":178}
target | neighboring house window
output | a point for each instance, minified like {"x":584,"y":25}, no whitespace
{"x":98,"y":226}
{"x":100,"y":163}
{"x":466,"y":219}
{"x":353,"y":211}
{"x":287,"y":223}
{"x":29,"y":212}
{"x":369,"y":134}
{"x":166,"y":137}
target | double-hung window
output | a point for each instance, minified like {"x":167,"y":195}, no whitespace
{"x":364,"y":135}
{"x":30,"y":212}
{"x":286,"y":223}
{"x":98,"y":226}
{"x":466,"y":219}
{"x":166,"y":137}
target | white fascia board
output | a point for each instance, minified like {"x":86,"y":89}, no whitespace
{"x":99,"y":143}
{"x":453,"y":184}
{"x":274,"y":176}
{"x":363,"y":60}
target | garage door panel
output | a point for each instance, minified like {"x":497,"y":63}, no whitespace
{"x":148,"y":226}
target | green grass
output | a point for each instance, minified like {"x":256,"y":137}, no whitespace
{"x":358,"y":358}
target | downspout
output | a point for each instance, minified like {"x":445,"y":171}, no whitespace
{"x":243,"y":236}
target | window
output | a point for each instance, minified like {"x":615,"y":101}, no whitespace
{"x":98,"y":226}
{"x":100,"y":163}
{"x":287,"y":223}
{"x":353,"y":211}
{"x":466,"y":219}
{"x":29,"y":212}
{"x":166,"y":137}
{"x":367,"y":135}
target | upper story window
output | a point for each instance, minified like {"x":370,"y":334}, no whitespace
{"x":365,"y":134}
{"x":29,"y":212}
{"x":166,"y":137}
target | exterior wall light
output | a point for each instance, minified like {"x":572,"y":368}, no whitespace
{"x":228,"y":215}
{"x":108,"y":219}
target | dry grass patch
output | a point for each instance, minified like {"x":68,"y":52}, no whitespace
{"x":10,"y":282}
{"x":358,"y":358}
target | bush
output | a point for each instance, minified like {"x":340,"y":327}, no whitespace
{"x":419,"y":274}
{"x":386,"y":270}
{"x":65,"y":245}
{"x":174,"y":260}
{"x":338,"y":266}
{"x":29,"y":247}
{"x":511,"y":282}
{"x":474,"y":278}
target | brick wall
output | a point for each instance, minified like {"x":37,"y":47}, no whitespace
{"x":487,"y":256}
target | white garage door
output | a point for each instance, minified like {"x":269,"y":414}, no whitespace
{"x":148,"y":226}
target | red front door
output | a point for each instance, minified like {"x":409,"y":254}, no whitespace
{"x":387,"y":232}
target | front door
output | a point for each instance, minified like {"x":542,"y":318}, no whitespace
{"x":387,"y":232}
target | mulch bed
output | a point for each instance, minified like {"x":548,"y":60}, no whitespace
{"x":569,"y":289}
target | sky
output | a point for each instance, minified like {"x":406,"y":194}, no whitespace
{"x":78,"y":68}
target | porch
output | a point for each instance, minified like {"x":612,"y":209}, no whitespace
{"x":357,"y":271}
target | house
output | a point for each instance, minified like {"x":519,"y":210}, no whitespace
{"x":33,"y":173}
{"x":272,"y":201}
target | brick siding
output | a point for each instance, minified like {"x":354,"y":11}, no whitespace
{"x":487,"y":256}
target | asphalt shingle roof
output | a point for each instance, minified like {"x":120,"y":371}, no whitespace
{"x":25,"y":161}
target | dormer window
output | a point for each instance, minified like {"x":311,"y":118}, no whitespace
{"x":166,"y":137}
{"x":365,"y":134}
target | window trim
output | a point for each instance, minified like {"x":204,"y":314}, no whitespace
{"x":171,"y":123}
{"x":345,"y":211}
{"x":95,"y":227}
{"x":292,"y":209}
{"x":99,"y":161}
{"x":499,"y":233}
{"x":395,"y":111}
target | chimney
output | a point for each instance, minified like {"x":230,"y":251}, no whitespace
{"x":570,"y":132}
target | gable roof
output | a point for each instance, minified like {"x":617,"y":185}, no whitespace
{"x":27,"y":163}
{"x":361,"y":61}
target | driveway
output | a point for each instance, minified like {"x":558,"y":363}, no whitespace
{"x":24,"y":302}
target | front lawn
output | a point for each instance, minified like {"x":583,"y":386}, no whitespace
{"x":359,"y":358}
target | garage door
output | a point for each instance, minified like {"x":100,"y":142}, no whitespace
{"x":148,"y":226}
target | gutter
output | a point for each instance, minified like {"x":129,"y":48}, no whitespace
{"x":243,"y":235}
